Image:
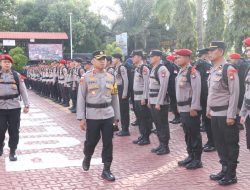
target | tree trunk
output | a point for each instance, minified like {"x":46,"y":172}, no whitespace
{"x":199,"y":24}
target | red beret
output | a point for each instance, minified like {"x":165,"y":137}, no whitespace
{"x":6,"y":57}
{"x":170,"y":58}
{"x":235,"y":56}
{"x":184,"y":52}
{"x":247,"y":42}
{"x":62,"y":62}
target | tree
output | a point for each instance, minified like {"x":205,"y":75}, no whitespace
{"x":215,"y":23}
{"x":199,"y":23}
{"x":19,"y":58}
{"x":88,"y":31}
{"x":239,"y":27}
{"x":112,"y":48}
{"x":7,"y":9}
{"x":164,"y":10}
{"x":184,"y":25}
{"x":135,"y":15}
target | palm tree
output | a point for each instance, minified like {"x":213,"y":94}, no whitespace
{"x":134,"y":19}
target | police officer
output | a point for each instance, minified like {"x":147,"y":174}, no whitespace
{"x":11,"y":88}
{"x":140,"y":89}
{"x":121,"y":75}
{"x":173,"y":103}
{"x":98,"y":95}
{"x":188,"y":91}
{"x":223,"y":95}
{"x":204,"y":64}
{"x":245,"y":110}
{"x":159,"y":101}
{"x":110,"y":67}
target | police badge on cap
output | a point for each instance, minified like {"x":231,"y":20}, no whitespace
{"x":99,"y":55}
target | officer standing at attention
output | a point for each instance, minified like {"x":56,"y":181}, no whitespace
{"x":11,"y":88}
{"x":188,"y":92}
{"x":159,"y":101}
{"x":245,"y":110}
{"x":97,"y":110}
{"x":140,"y":88}
{"x":222,"y":103}
{"x":121,"y":76}
{"x":205,"y":66}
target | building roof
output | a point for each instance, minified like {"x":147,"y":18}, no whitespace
{"x":34,"y":35}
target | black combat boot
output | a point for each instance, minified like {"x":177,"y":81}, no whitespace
{"x":1,"y":149}
{"x":163,"y":150}
{"x":220,"y":175}
{"x":106,"y":173}
{"x":186,"y":161}
{"x":144,"y":141}
{"x":154,"y":150}
{"x":196,"y":162}
{"x":86,"y":163}
{"x":123,"y":133}
{"x":12,"y":155}
{"x":230,"y":177}
{"x":137,"y":140}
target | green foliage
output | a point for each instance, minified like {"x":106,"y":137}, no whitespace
{"x":215,"y":23}
{"x":135,"y":15}
{"x":239,"y":28}
{"x":112,"y":48}
{"x":184,"y":25}
{"x":19,"y":58}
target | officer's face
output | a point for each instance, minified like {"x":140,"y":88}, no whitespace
{"x":233,"y":61}
{"x":215,"y":54}
{"x":248,"y":52}
{"x":115,"y":61}
{"x":155,"y":59}
{"x":136,"y":59}
{"x":182,"y":60}
{"x":100,"y":63}
{"x":6,"y":64}
{"x":205,"y":57}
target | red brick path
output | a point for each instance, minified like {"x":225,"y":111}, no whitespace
{"x":51,"y":130}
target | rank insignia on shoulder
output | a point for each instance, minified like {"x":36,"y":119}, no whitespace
{"x":82,"y":80}
{"x":231,"y":73}
{"x":163,"y":73}
{"x":145,"y":71}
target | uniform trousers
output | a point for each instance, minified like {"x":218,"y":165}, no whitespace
{"x":10,"y":120}
{"x":95,"y":130}
{"x":191,"y":128}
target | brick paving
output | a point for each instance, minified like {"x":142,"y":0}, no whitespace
{"x":50,"y":157}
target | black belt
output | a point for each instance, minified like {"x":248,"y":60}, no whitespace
{"x":185,"y":103}
{"x":154,"y":90}
{"x":219,"y":108}
{"x":138,"y":92}
{"x":60,"y":79}
{"x":247,"y":104}
{"x":153,"y":95}
{"x":7,"y":83}
{"x":9,"y":97}
{"x":104,"y":105}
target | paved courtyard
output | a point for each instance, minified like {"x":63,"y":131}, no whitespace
{"x":50,"y":157}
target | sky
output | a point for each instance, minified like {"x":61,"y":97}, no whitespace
{"x":103,"y":7}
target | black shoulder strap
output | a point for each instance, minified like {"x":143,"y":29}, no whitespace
{"x":224,"y":73}
{"x":189,"y":71}
{"x":16,"y":78}
{"x":156,"y":72}
{"x":141,"y":68}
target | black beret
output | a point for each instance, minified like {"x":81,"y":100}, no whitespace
{"x":155,"y":53}
{"x":138,"y":53}
{"x":217,"y":44}
{"x":201,"y":52}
